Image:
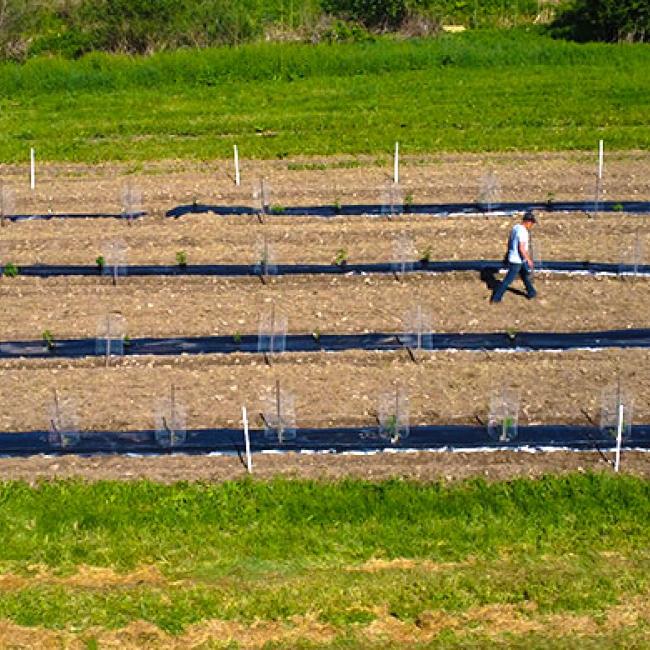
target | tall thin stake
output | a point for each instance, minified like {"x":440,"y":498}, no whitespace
{"x":247,"y":441}
{"x":619,"y":437}
{"x":32,"y":168}
{"x":236,"y":153}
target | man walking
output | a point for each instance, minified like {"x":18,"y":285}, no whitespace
{"x":518,"y":259}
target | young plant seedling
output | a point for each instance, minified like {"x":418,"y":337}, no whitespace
{"x":10,"y":270}
{"x":337,"y":206}
{"x":408,"y":202}
{"x":277,"y":209}
{"x":341,"y":258}
{"x":181,"y":259}
{"x":426,"y":255}
{"x":617,"y":207}
{"x":101,"y":263}
{"x":48,"y":339}
{"x":316,"y":336}
{"x":236,"y":338}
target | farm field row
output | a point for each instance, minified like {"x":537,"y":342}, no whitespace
{"x":326,"y":180}
{"x":205,"y":239}
{"x":443,"y":388}
{"x":178,"y":306}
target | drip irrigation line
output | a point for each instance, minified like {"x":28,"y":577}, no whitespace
{"x":75,"y":215}
{"x":439,"y":209}
{"x":360,"y":210}
{"x":376,"y":341}
{"x":339,"y":439}
{"x":250,"y":270}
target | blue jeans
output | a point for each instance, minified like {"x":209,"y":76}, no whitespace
{"x":513,"y":271}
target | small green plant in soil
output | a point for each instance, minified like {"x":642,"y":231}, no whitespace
{"x":617,"y":207}
{"x":126,"y":341}
{"x":341,"y":257}
{"x":511,"y":333}
{"x":408,"y":202}
{"x":550,"y":198}
{"x":48,"y":339}
{"x":337,"y":206}
{"x":506,"y":427}
{"x":277,"y":209}
{"x":101,"y":263}
{"x":426,"y":255}
{"x":316,"y":336}
{"x":10,"y":270}
{"x":181,"y":259}
{"x":236,"y":338}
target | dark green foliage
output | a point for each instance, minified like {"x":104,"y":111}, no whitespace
{"x":372,"y":13}
{"x":604,"y":20}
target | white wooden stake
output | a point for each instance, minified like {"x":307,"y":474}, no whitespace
{"x":247,"y":441}
{"x":32,"y":168}
{"x":619,"y":438}
{"x":396,"y":165}
{"x":237,"y":177}
{"x":601,"y":159}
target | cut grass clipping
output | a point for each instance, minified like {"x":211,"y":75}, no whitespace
{"x":478,"y":91}
{"x":344,"y":564}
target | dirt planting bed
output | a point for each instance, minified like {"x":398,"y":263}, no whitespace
{"x":316,"y":181}
{"x":456,"y":302}
{"x":208,"y":239}
{"x":329,"y":389}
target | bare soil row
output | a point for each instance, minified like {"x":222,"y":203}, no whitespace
{"x":497,"y":466}
{"x":329,"y":390}
{"x":537,"y":176}
{"x":454,"y":302}
{"x":208,"y":239}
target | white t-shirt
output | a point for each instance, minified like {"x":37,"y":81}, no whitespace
{"x":518,"y":235}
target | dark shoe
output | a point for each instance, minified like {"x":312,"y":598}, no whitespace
{"x":531,"y":296}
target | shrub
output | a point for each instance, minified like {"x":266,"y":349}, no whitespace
{"x":604,"y":20}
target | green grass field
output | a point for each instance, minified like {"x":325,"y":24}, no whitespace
{"x":558,"y":558}
{"x":480,"y":91}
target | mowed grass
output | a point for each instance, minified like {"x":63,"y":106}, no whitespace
{"x":492,"y":91}
{"x":547,"y":553}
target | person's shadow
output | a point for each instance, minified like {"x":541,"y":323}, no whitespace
{"x":489,"y":276}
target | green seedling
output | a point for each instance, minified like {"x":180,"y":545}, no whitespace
{"x":408,"y":202}
{"x":506,"y":427}
{"x":337,"y":206}
{"x":48,"y":339}
{"x":236,"y":337}
{"x":550,"y":198}
{"x":341,"y":257}
{"x":618,"y":207}
{"x":181,"y":259}
{"x":426,"y":255}
{"x":126,"y":341}
{"x":101,"y":263}
{"x":316,"y":335}
{"x":277,"y":209}
{"x":10,"y":270}
{"x":511,"y":333}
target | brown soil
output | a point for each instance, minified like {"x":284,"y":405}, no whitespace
{"x":443,"y":387}
{"x":341,"y":389}
{"x":437,"y":178}
{"x":74,"y":307}
{"x":207,"y":239}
